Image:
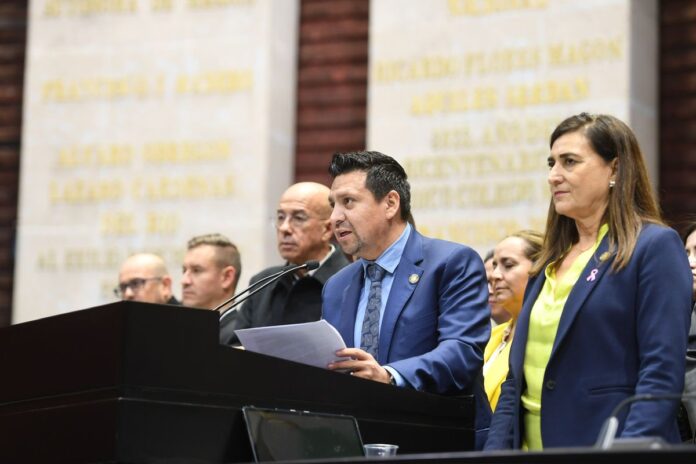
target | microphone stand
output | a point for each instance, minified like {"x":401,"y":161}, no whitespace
{"x":607,"y":435}
{"x":261,"y":284}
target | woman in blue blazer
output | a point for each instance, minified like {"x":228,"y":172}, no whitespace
{"x":606,"y":314}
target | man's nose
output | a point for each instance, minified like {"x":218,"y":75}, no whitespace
{"x":129,"y":294}
{"x":336,"y":216}
{"x":284,"y":226}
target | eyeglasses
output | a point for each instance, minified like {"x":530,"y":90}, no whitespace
{"x":296,"y":220}
{"x":134,"y":284}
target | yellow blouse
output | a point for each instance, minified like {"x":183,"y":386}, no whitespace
{"x":495,"y":360}
{"x":543,"y":325}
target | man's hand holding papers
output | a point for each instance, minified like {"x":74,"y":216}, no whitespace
{"x":312,"y":343}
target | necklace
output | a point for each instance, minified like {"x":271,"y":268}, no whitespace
{"x":585,"y":249}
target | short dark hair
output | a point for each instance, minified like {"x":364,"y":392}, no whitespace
{"x":689,"y":230}
{"x":384,"y":174}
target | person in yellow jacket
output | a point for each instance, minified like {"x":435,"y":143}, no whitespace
{"x":512,"y":260}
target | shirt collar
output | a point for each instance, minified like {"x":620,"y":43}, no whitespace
{"x":391,"y":257}
{"x":326,"y":257}
{"x":332,"y":249}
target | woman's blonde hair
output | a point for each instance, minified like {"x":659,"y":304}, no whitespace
{"x":533,"y":242}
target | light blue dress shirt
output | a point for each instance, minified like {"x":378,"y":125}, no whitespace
{"x":388,"y":260}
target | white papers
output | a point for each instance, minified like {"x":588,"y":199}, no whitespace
{"x":313,"y":343}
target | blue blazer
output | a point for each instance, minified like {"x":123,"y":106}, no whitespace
{"x":435,"y":327}
{"x":620,"y":334}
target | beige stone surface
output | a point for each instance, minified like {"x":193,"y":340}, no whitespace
{"x":147,"y":122}
{"x":466,"y":93}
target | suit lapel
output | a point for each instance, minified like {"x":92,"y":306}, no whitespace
{"x":401,"y":290}
{"x":522,"y":330}
{"x":349,"y":306}
{"x":589,"y":278}
{"x":332,"y":265}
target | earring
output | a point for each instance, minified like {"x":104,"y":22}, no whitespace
{"x":612,"y":183}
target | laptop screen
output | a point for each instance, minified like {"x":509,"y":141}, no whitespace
{"x":286,"y":434}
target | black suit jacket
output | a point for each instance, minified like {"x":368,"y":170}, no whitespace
{"x":289,"y":300}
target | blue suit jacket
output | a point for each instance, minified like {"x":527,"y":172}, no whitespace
{"x":620,"y":334}
{"x":434,"y":330}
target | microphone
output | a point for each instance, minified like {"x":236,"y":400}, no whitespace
{"x":607,"y":435}
{"x":262,"y":283}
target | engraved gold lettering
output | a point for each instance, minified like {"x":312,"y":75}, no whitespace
{"x":161,"y":223}
{"x":586,"y":51}
{"x":76,"y":156}
{"x":195,"y":4}
{"x":117,"y":223}
{"x":192,"y":186}
{"x":161,"y":5}
{"x":53,"y":8}
{"x":79,"y":191}
{"x":186,"y":151}
{"x":547,"y":92}
{"x":487,"y":7}
{"x":479,"y":98}
{"x":93,"y":259}
{"x":47,"y":260}
{"x":215,"y":82}
{"x":102,"y":88}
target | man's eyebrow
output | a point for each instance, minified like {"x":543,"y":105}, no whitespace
{"x":292,"y":211}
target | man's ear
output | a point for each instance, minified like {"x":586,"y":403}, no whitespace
{"x":166,"y":288}
{"x":229,"y":277}
{"x":392,"y":202}
{"x":327,"y":231}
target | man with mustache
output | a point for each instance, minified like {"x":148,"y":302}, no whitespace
{"x":303,"y":232}
{"x":412,"y":310}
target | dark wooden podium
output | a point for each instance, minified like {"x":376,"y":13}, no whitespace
{"x":141,"y":383}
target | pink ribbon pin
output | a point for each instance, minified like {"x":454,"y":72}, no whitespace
{"x":593,"y":274}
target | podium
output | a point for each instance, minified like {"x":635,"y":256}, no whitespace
{"x":135,"y":382}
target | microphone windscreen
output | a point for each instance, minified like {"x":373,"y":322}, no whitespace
{"x":311,"y":265}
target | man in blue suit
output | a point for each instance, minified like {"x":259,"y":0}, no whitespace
{"x":421,"y":320}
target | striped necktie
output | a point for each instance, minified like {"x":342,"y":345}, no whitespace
{"x":369,"y":338}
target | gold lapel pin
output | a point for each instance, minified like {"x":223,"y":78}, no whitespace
{"x":604,"y":256}
{"x":413,"y":278}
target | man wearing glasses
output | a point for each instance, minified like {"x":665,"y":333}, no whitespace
{"x":144,"y":277}
{"x":303,"y":233}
